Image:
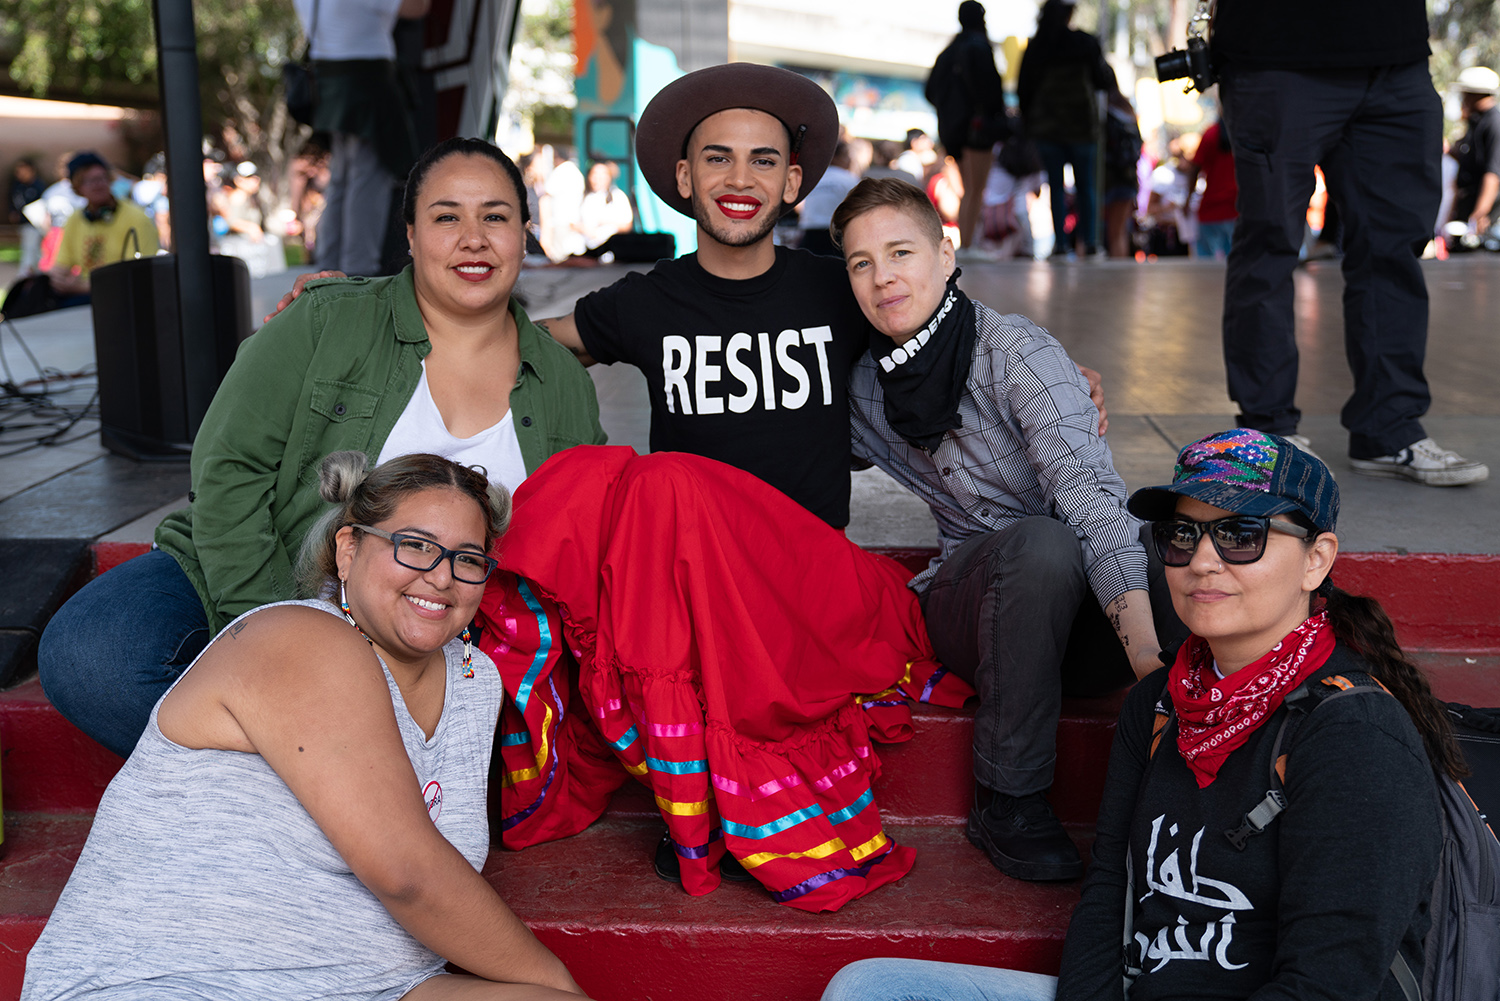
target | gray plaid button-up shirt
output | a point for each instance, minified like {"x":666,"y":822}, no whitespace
{"x":1029,"y":445}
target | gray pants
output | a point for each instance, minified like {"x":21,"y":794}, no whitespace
{"x":351,"y":233}
{"x":1012,"y":613}
{"x":1378,"y":135}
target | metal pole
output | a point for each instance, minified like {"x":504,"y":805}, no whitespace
{"x":182,"y":123}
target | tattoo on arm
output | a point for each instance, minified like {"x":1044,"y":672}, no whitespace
{"x":236,"y":629}
{"x":1115,"y":608}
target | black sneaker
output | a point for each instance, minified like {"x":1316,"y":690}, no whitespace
{"x":669,"y":866}
{"x":1023,"y":837}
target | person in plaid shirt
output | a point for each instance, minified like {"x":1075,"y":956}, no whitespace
{"x":1041,"y":586}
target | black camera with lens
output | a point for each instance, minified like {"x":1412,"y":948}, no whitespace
{"x":1193,"y":62}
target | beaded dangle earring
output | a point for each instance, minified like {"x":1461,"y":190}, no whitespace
{"x":468,"y":639}
{"x":348,"y":615}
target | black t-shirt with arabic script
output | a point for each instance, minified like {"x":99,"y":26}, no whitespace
{"x":754,"y":373}
{"x":1314,"y":907}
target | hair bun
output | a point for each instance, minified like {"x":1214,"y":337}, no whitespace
{"x":341,"y":474}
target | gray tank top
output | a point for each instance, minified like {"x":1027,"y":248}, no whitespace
{"x":204,"y":877}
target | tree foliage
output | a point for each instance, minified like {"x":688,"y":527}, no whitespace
{"x":1464,"y":33}
{"x":99,"y":50}
{"x":541,"y":68}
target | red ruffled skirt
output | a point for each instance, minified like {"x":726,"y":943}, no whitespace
{"x":676,"y":619}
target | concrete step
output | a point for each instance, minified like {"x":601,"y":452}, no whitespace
{"x":595,"y":900}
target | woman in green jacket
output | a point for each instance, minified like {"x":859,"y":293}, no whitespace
{"x":386,"y":366}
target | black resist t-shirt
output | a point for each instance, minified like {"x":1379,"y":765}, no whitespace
{"x":754,"y":373}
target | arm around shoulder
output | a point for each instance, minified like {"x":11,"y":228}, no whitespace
{"x":564,"y":330}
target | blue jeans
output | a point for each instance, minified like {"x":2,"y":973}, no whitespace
{"x":1214,"y":238}
{"x":114,"y":649}
{"x":1081,"y":156}
{"x":924,"y":980}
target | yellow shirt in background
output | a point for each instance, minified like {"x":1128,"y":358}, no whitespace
{"x":87,"y":245}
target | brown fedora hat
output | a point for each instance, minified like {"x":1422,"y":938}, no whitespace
{"x":803,"y":107}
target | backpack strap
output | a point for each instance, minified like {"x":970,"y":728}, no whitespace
{"x":1260,"y":816}
{"x":1163,"y":716}
{"x":1301,"y":703}
{"x":1405,"y":978}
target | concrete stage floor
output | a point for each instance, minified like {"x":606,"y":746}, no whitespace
{"x":1151,"y":329}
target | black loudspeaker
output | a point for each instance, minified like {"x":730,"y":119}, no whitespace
{"x":138,"y":344}
{"x":638,"y":248}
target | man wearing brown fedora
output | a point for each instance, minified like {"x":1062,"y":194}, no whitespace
{"x":746,"y":346}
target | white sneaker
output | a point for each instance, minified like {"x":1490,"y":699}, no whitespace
{"x":974,"y":255}
{"x":1424,"y":462}
{"x":1302,"y":442}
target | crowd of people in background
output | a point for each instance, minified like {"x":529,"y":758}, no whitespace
{"x":242,"y":222}
{"x":1167,"y":194}
{"x":1012,"y":176}
{"x":574,"y":213}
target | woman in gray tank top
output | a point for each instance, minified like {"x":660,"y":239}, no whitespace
{"x":305,"y":816}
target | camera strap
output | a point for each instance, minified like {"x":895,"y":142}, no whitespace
{"x":1202,"y":20}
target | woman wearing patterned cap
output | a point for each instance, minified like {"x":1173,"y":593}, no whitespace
{"x":1227,"y":897}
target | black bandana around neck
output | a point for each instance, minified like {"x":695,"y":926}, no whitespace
{"x":924,"y":378}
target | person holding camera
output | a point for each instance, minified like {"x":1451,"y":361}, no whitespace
{"x":1343,"y":84}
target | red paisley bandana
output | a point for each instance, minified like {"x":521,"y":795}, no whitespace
{"x":1215,"y":716}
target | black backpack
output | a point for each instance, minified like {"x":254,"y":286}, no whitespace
{"x":1461,"y":954}
{"x":30,"y":296}
{"x":945,"y":89}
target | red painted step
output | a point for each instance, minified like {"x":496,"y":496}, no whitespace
{"x":1439,"y":601}
{"x":49,"y":765}
{"x":40,"y":852}
{"x":595,"y":901}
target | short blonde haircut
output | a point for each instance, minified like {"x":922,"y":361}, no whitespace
{"x":881,"y":192}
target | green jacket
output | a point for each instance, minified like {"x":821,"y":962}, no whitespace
{"x":332,"y":372}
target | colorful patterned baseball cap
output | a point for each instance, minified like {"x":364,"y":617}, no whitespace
{"x":1248,"y":472}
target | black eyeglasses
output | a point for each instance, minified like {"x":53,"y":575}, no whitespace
{"x":1240,"y":538}
{"x":417,"y":553}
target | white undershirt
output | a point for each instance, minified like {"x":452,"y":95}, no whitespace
{"x":420,"y":428}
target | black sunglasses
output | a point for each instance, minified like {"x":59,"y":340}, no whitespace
{"x":417,"y":553}
{"x":1239,"y":539}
